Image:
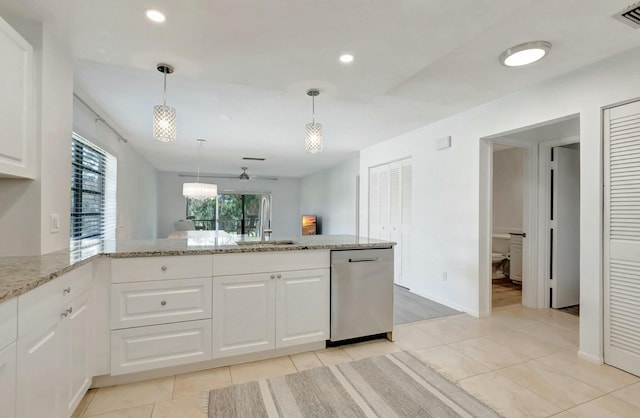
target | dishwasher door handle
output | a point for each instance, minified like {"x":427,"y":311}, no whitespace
{"x":363,"y":260}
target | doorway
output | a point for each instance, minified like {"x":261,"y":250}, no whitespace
{"x":535,"y":142}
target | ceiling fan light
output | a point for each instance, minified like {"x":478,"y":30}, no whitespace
{"x":164,"y":123}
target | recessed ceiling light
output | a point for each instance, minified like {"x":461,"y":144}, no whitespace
{"x":156,"y":16}
{"x":524,"y":54}
{"x":346,"y":58}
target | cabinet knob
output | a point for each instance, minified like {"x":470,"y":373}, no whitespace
{"x":279,"y":276}
{"x":273,"y":276}
{"x":164,"y":302}
{"x":67,"y":290}
{"x":164,"y":268}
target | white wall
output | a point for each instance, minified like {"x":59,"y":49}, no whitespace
{"x":447,"y":184}
{"x":137,"y":190}
{"x":285,"y":201}
{"x":508,"y":190}
{"x":331,"y":195}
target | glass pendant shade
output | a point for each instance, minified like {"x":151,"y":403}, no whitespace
{"x":164,"y":123}
{"x":199,"y":191}
{"x":313,"y":142}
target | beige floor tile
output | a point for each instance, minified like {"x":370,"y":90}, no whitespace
{"x":306,"y":361}
{"x":412,"y":338}
{"x":507,"y":397}
{"x":333,"y":356}
{"x":143,"y":411}
{"x":479,"y":326}
{"x":84,"y":403}
{"x":191,"y":385}
{"x":489,"y":353}
{"x":183,"y":408}
{"x":603,"y":377}
{"x":605,"y":407}
{"x":630,"y":394}
{"x":556,"y":387}
{"x":513,"y":319}
{"x":563,"y":320}
{"x":371,"y":349}
{"x":263,"y":369}
{"x":447,"y":330}
{"x":529,"y":346}
{"x":119,"y":397}
{"x":450,"y":363}
{"x":564,"y":338}
{"x":563,"y":414}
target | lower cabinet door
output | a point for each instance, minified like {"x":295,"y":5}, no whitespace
{"x":77,"y":332}
{"x":40,"y":377}
{"x":157,"y":346}
{"x":243,"y":314}
{"x":8,"y":382}
{"x":302,"y":307}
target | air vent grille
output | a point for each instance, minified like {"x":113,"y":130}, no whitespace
{"x":630,"y":16}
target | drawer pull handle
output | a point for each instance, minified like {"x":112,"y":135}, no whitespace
{"x":164,"y":302}
{"x":66,"y":312}
{"x":67,"y":290}
{"x":279,"y":276}
{"x":164,"y":268}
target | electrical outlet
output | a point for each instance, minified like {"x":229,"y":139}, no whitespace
{"x":444,"y":276}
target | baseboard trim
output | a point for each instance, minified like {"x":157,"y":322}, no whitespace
{"x":591,"y":358}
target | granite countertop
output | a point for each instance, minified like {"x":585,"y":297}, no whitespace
{"x":18,"y":275}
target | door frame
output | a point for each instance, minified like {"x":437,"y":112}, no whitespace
{"x":530,"y":290}
{"x":544,"y":211}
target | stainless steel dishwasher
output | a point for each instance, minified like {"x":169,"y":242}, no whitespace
{"x":361,"y":293}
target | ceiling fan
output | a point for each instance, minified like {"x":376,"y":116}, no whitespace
{"x":242,"y":177}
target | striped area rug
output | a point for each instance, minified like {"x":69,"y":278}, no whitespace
{"x":395,"y":385}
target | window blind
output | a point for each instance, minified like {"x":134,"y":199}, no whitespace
{"x":93,"y":193}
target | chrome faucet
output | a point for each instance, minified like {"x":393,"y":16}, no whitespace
{"x":265,"y":209}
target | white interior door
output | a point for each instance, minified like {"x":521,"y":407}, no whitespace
{"x":565,"y":258}
{"x":374,"y":202}
{"x":622,"y":237}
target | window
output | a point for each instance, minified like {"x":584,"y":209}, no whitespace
{"x":93,"y":193}
{"x":234,"y":213}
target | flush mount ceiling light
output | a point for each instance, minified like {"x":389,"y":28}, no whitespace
{"x":155,"y":16}
{"x":525,"y":54}
{"x":244,"y":176}
{"x":346,"y":58}
{"x":164,"y":117}
{"x":197,"y":190}
{"x":313,"y":141}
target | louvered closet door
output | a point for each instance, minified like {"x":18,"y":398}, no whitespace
{"x":405,"y":224}
{"x":622,"y":237}
{"x":395,"y":217}
{"x":374,"y":202}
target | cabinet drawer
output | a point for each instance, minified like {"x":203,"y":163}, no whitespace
{"x":160,"y":302}
{"x":157,"y":346}
{"x":248,"y":263}
{"x":8,"y":322}
{"x":8,"y":362}
{"x":144,"y":269}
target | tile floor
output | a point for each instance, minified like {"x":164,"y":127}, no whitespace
{"x":520,"y":361}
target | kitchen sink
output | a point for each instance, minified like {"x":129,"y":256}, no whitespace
{"x":272,"y":242}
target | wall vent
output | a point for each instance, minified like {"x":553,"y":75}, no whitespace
{"x":630,"y":16}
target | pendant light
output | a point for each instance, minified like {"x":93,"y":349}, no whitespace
{"x":313,"y":141}
{"x":164,"y":117}
{"x":197,"y":190}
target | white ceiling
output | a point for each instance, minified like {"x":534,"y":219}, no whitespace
{"x":243,"y":66}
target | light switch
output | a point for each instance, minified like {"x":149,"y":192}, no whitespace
{"x":54,"y":221}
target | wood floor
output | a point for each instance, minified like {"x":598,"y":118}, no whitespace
{"x":409,"y":307}
{"x":505,"y":293}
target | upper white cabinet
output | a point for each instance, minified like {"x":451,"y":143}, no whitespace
{"x":17,"y":107}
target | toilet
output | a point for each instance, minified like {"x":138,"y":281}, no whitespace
{"x":500,"y":255}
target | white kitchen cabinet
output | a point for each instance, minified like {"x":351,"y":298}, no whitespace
{"x":17,"y":107}
{"x":302,"y":307}
{"x":263,"y":311}
{"x":243,"y":314}
{"x":8,"y":381}
{"x":54,"y":346}
{"x":142,"y":269}
{"x":157,"y":346}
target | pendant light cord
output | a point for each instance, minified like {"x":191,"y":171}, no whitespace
{"x":164,"y":93}
{"x":313,"y":109}
{"x":199,"y":151}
